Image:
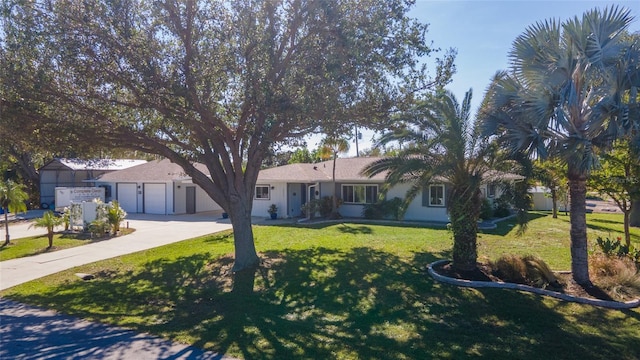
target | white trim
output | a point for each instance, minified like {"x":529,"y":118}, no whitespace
{"x":444,"y":201}
{"x":255,"y":192}
{"x":365,"y":193}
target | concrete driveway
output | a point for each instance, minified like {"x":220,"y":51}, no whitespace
{"x":29,"y":332}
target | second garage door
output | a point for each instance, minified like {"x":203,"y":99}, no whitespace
{"x":155,"y":199}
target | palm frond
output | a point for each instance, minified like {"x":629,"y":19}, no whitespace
{"x":602,"y":30}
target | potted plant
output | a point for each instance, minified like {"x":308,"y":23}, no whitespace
{"x":273,"y":211}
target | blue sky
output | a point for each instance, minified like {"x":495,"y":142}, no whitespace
{"x":483,"y":31}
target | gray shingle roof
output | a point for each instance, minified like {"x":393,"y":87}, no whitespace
{"x":347,"y":169}
{"x":156,"y":170}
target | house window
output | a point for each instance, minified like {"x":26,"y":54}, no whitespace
{"x":491,"y":190}
{"x":436,"y":195}
{"x":262,"y":192}
{"x":359,"y":194}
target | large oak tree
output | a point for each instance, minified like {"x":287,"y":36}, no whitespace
{"x":219,"y":82}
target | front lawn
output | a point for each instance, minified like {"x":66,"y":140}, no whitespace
{"x":35,"y":245}
{"x":346,"y":291}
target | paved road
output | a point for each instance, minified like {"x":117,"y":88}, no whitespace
{"x":32,"y":333}
{"x":28,"y":332}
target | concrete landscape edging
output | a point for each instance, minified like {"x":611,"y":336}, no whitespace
{"x":502,"y":285}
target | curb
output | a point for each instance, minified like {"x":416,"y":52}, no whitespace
{"x":502,"y":285}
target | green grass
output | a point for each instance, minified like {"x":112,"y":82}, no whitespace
{"x":548,"y":238}
{"x":35,"y":245}
{"x":347,"y":292}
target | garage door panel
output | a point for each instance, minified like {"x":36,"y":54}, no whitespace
{"x":127,"y":197}
{"x":155,"y":199}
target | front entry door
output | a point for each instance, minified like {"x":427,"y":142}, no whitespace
{"x":191,"y":199}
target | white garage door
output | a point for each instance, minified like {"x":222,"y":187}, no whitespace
{"x":127,"y":197}
{"x":155,"y":200}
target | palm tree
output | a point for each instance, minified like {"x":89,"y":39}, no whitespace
{"x":48,"y":221}
{"x":441,"y":144}
{"x":561,"y":99}
{"x":330,"y":148}
{"x":12,"y":199}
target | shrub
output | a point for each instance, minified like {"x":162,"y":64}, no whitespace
{"x":99,"y":228}
{"x":324,"y":206}
{"x":510,"y":268}
{"x":486,"y":211}
{"x":619,"y":275}
{"x":502,"y":206}
{"x":607,"y":246}
{"x":383,"y":209}
{"x":310,"y":208}
{"x":528,"y":269}
{"x":611,"y":248}
{"x":539,"y":274}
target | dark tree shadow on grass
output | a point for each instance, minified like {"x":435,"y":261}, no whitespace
{"x":327,"y":303}
{"x":355,"y":229}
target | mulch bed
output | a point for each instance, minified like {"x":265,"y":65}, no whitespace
{"x":483,"y":272}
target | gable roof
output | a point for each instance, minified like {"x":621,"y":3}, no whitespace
{"x":156,"y":170}
{"x":347,"y":169}
{"x":91,"y":164}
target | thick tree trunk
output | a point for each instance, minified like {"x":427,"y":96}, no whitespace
{"x":634,"y":216}
{"x":627,"y":233}
{"x":6,"y":228}
{"x":578,"y":218}
{"x":50,"y":236}
{"x":464,"y":223}
{"x":245,"y":250}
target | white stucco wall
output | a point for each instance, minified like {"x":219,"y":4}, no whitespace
{"x":417,"y":212}
{"x":351,"y":210}
{"x":277,"y":195}
{"x":203,"y":201}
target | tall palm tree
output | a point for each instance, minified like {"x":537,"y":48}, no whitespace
{"x":48,"y":221}
{"x":561,"y":99}
{"x":12,"y":199}
{"x":330,"y":148}
{"x":441,"y":143}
